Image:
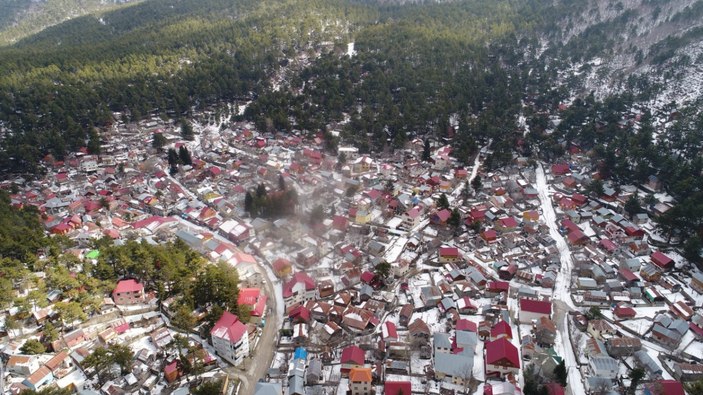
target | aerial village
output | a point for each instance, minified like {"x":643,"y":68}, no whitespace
{"x":394,"y":275}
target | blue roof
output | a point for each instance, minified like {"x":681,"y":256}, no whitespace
{"x":300,"y":353}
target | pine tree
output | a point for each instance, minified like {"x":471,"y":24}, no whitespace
{"x":187,"y":130}
{"x":443,"y":202}
{"x":426,"y":151}
{"x":184,"y":155}
{"x":158,"y":141}
{"x":249,"y":204}
{"x":561,"y":373}
{"x":476,"y":183}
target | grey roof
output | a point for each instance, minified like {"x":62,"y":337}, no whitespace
{"x":587,"y":282}
{"x":679,"y":326}
{"x":296,"y":385}
{"x":455,"y":365}
{"x":593,"y":382}
{"x":647,"y":362}
{"x":698,"y":276}
{"x":604,"y":363}
{"x":466,"y":338}
{"x":664,"y":319}
{"x":448,"y":303}
{"x":666,"y":332}
{"x":268,"y":389}
{"x":441,"y":340}
{"x":315,"y":367}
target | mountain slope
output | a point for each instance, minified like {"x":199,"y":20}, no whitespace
{"x":651,"y":47}
{"x":22,"y":18}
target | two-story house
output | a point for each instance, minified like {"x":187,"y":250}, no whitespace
{"x":230,"y":339}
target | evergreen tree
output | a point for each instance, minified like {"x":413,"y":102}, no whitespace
{"x":249,"y":204}
{"x":184,"y":155}
{"x":636,"y":376}
{"x":455,"y":219}
{"x":595,"y":188}
{"x":173,"y":158}
{"x":187,"y":130}
{"x":158,"y":141}
{"x":261,"y":191}
{"x":476,"y":183}
{"x":442,"y":202}
{"x":561,"y":373}
{"x":426,"y":151}
{"x":32,"y":346}
{"x":633,"y":206}
{"x":94,"y":142}
{"x":281,"y":183}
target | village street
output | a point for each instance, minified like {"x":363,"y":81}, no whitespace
{"x":562,"y":295}
{"x":257,"y":364}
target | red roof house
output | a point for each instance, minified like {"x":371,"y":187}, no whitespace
{"x":128,"y":292}
{"x":501,"y":330}
{"x":661,"y":260}
{"x":534,"y":310}
{"x":397,"y":388}
{"x":254,"y":298}
{"x":560,"y":169}
{"x":352,"y":356}
{"x":501,"y":358}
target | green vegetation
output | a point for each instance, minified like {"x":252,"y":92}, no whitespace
{"x":21,"y":18}
{"x":32,"y":346}
{"x":102,"y":359}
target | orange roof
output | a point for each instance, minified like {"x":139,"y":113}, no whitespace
{"x":360,"y":375}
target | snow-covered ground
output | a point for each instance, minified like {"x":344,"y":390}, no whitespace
{"x":562,"y":291}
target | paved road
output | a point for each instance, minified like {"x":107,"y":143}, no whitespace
{"x":260,"y":359}
{"x":256,"y":366}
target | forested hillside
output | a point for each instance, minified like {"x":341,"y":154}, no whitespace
{"x":169,"y":55}
{"x":22,"y":18}
{"x":416,"y":66}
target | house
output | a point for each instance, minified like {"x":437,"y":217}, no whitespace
{"x":604,"y":366}
{"x":128,"y":292}
{"x":623,"y":312}
{"x":454,"y":368}
{"x":645,"y":361}
{"x":171,"y":371}
{"x":389,"y":331}
{"x":623,"y":346}
{"x":268,"y":389}
{"x":501,"y":330}
{"x":545,"y":331}
{"x":412,"y":218}
{"x":687,"y":371}
{"x":254,"y":298}
{"x":230,"y":338}
{"x":418,"y":329}
{"x":397,"y":388}
{"x":650,"y":272}
{"x":600,"y":329}
{"x":664,"y":387}
{"x":661,"y":260}
{"x":22,"y":365}
{"x":697,"y":282}
{"x":501,"y":358}
{"x":360,"y":381}
{"x":534,"y":310}
{"x":299,"y":289}
{"x":449,"y":255}
{"x":406,"y":313}
{"x":352,"y":357}
{"x":39,"y":378}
